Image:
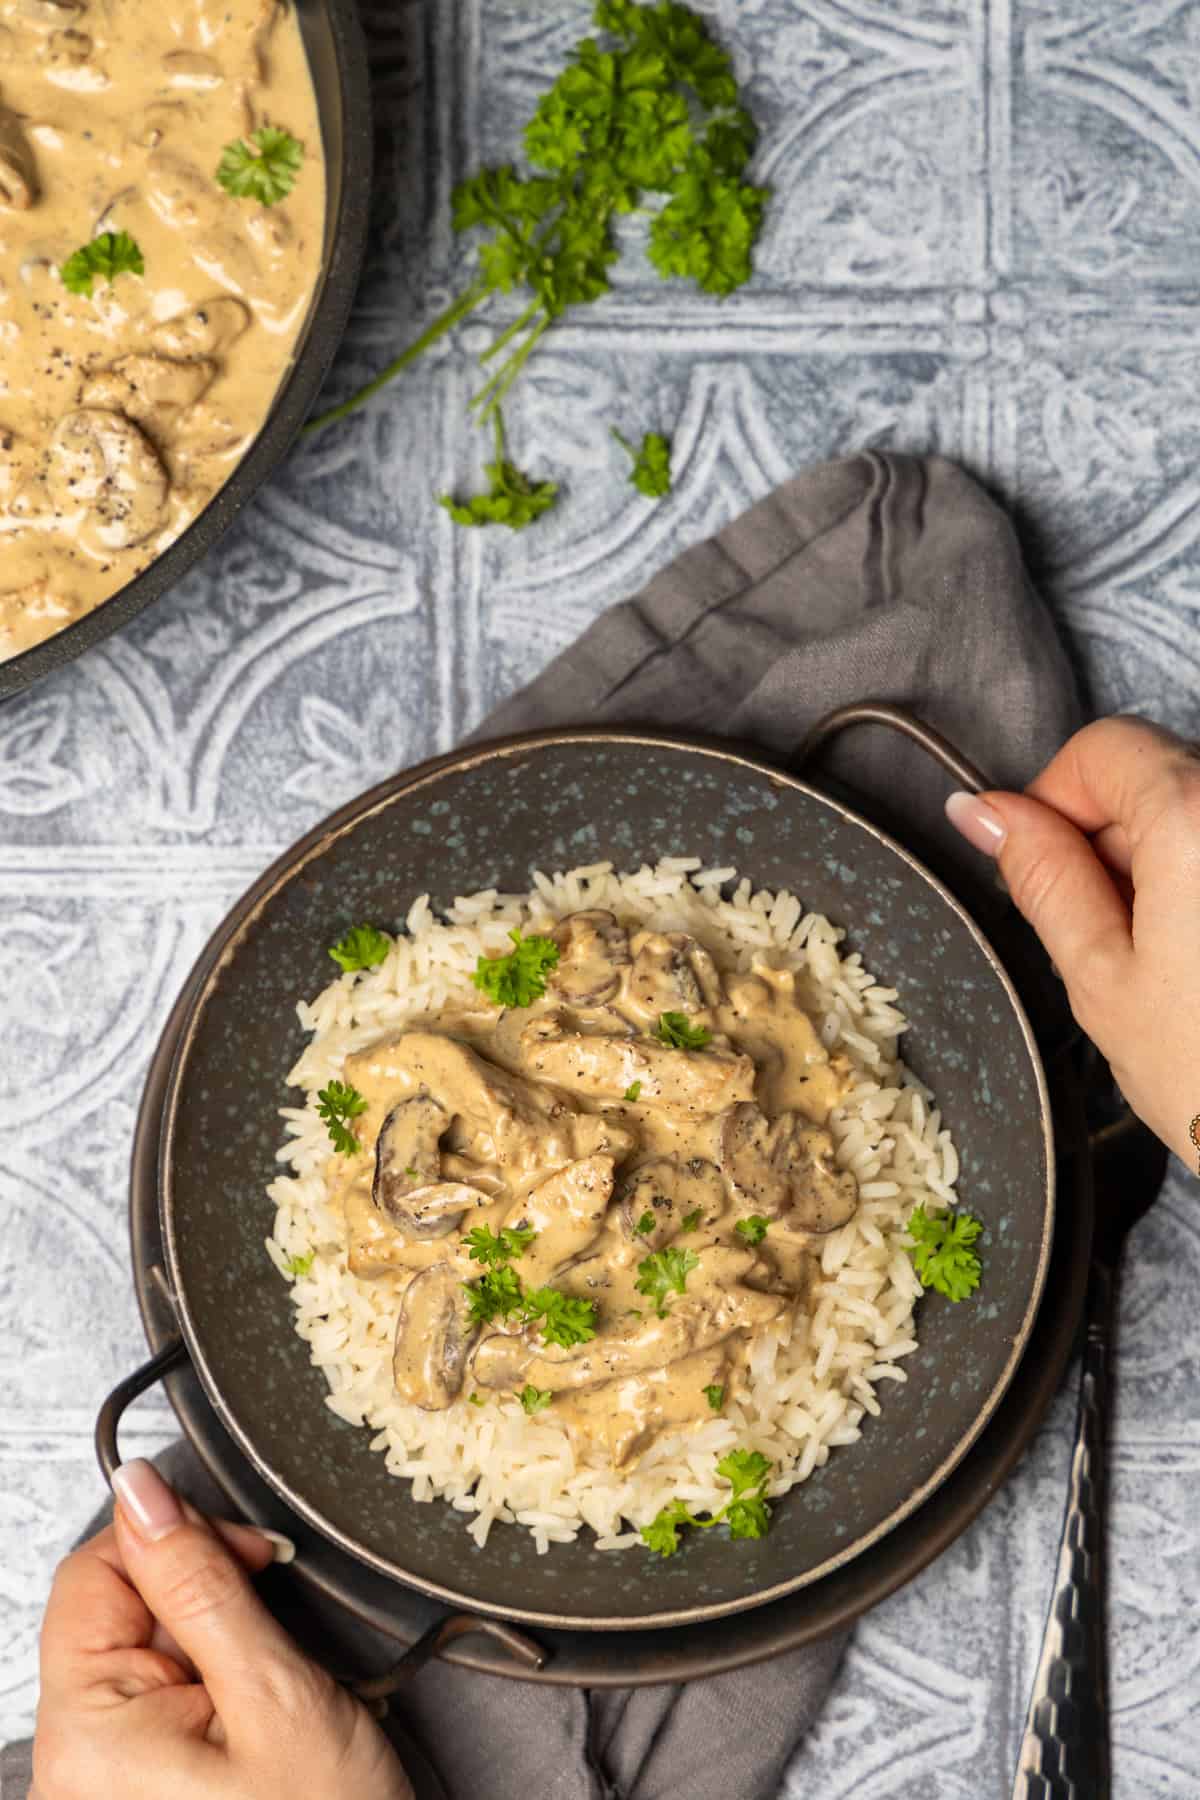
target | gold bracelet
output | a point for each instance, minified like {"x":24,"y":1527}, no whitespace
{"x":1194,"y":1134}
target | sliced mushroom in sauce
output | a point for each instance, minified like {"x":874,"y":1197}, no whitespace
{"x":433,"y":1338}
{"x":784,"y":1168}
{"x":593,"y":952}
{"x":409,"y":1188}
{"x":668,"y":1190}
{"x":18,"y":174}
{"x":100,"y":462}
{"x":672,"y":972}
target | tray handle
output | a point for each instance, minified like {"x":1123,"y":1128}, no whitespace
{"x":373,"y":1690}
{"x":893,"y":718}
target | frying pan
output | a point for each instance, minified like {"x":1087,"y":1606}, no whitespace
{"x":487,"y":816}
{"x":337,"y":59}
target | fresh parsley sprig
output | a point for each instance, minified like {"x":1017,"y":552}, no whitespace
{"x":651,"y":471}
{"x":487,"y":1246}
{"x":676,"y":1030}
{"x":519,"y":978}
{"x":534,"y":1400}
{"x":513,"y":499}
{"x":296,"y":1266}
{"x":754,"y":1229}
{"x":715,"y":1395}
{"x":663,"y":1273}
{"x":111,"y":254}
{"x":941,"y":1251}
{"x":497,"y":1294}
{"x":337,"y":1104}
{"x":262,"y":167}
{"x":645,"y":1224}
{"x":363,"y":947}
{"x":747,"y":1511}
{"x":563,"y":1319}
{"x":649,"y":119}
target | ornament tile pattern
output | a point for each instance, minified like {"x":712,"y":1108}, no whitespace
{"x":983,"y":242}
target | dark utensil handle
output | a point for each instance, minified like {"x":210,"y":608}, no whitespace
{"x":172,"y":1354}
{"x":432,"y":1642}
{"x":893,"y":718}
{"x":373,"y":1690}
{"x":1065,"y":1749}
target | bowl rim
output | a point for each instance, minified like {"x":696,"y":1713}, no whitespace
{"x":301,"y":382}
{"x":219,"y":955}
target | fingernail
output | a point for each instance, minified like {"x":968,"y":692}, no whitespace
{"x":151,"y":1505}
{"x":978,"y":822}
{"x":285,"y":1550}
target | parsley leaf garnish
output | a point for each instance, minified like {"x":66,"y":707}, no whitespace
{"x":298,"y":1265}
{"x":476,"y":1400}
{"x":362,"y":948}
{"x":715,"y":1395}
{"x":747,"y":1511}
{"x":262,"y":167}
{"x":662,"y":1533}
{"x":337,"y":1104}
{"x":645,"y":119}
{"x":676,"y":1030}
{"x":111,"y":254}
{"x":753,"y":1229}
{"x":690,"y":1220}
{"x":495,"y":1295}
{"x":941,"y":1251}
{"x":534,"y":1400}
{"x":663,"y":1273}
{"x":632,"y":1091}
{"x":486,"y":1246}
{"x":645,"y":1224}
{"x":651,"y":471}
{"x":520,"y":977}
{"x":563,"y":1318}
{"x":513,"y":499}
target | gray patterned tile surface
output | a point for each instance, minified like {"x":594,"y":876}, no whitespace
{"x":984,"y":242}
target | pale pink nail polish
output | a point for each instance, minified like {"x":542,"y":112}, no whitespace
{"x":978,"y":822}
{"x":285,"y":1550}
{"x":149,"y":1502}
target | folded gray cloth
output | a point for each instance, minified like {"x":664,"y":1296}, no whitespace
{"x":880,"y":577}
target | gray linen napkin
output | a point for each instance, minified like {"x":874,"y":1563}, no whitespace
{"x":880,"y":577}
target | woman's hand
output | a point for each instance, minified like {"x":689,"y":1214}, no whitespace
{"x":131,"y":1614}
{"x":1102,"y":855}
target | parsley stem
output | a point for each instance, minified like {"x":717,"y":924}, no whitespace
{"x":466,"y":303}
{"x":493,"y":393}
{"x":514,"y":330}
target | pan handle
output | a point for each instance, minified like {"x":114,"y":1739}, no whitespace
{"x":373,"y":1690}
{"x":169,"y":1357}
{"x":894,"y":718}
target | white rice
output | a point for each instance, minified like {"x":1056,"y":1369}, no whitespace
{"x":808,"y":1392}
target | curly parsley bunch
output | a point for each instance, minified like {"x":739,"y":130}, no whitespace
{"x":646,"y":119}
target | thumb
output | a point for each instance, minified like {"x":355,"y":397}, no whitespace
{"x":1059,"y":885}
{"x":198,"y":1589}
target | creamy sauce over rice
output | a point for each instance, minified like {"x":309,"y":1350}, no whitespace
{"x":123,"y":411}
{"x":573,"y":1119}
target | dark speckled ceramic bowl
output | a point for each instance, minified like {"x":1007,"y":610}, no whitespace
{"x":487,"y":817}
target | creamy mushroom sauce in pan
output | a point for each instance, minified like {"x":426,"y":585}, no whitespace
{"x":522,"y":1118}
{"x":122,"y":412}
